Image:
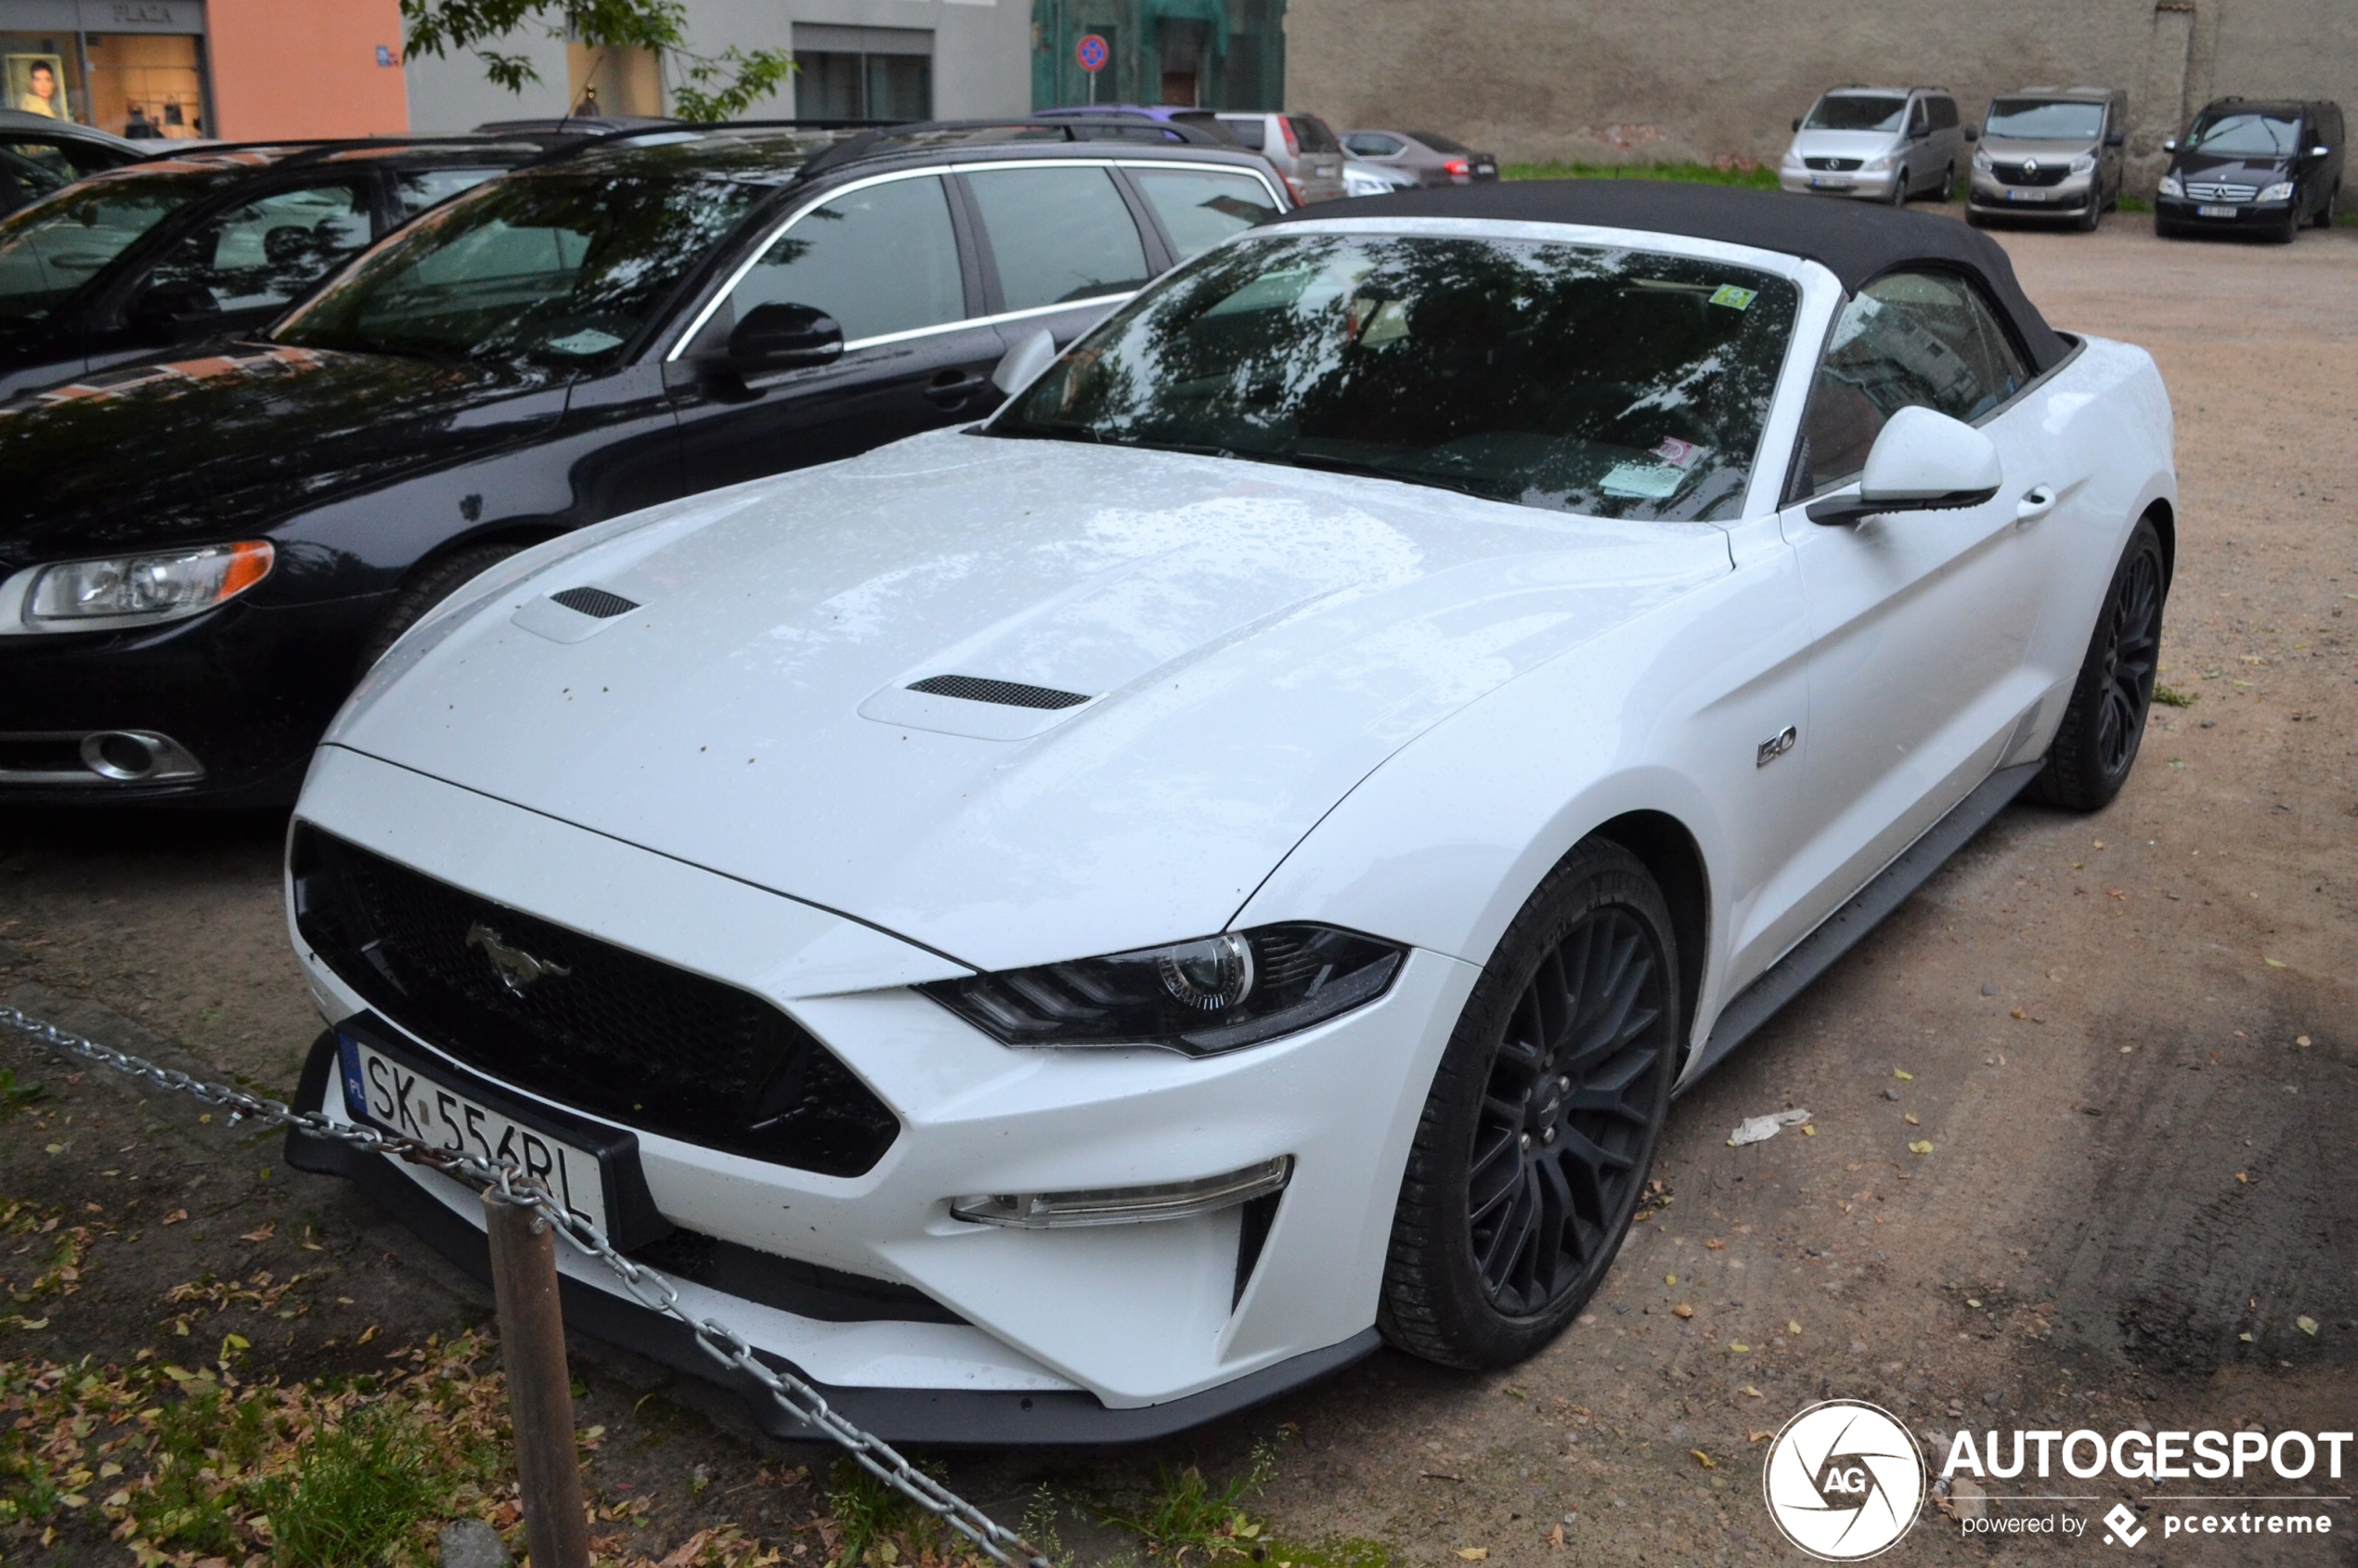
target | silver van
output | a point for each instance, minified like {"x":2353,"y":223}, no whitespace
{"x":1878,"y":144}
{"x":2050,"y":152}
{"x":1304,"y":148}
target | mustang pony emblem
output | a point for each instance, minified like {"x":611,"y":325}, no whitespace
{"x":519,"y":971}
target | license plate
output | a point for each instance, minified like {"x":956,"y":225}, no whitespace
{"x":1485,"y":168}
{"x":1821,"y":182}
{"x":2023,"y":196}
{"x":402,"y":1098}
{"x":2215,"y":212}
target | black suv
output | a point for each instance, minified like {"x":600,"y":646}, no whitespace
{"x":198,"y":558}
{"x":136,"y":259}
{"x":2253,"y":166}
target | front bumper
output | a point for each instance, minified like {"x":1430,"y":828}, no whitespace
{"x":2225,"y":216}
{"x":1134,"y":1329}
{"x":1862,"y":185}
{"x":1991,"y":197}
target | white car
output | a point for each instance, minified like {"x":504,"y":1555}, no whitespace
{"x":1062,"y":927}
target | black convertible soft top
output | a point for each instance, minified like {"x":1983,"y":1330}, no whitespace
{"x":1856,"y":242}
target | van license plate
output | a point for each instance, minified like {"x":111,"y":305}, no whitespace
{"x":1821,"y":183}
{"x":2215,"y":212}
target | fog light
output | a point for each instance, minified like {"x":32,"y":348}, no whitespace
{"x":1126,"y":1205}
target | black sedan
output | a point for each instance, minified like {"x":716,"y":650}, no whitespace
{"x":199,"y":558}
{"x":141,"y":258}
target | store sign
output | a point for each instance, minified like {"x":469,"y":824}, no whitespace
{"x":142,"y":16}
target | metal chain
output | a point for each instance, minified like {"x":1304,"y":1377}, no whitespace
{"x":646,"y":1287}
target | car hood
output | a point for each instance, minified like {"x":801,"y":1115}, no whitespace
{"x":1843,"y":143}
{"x":213,"y":446}
{"x":2047,"y":149}
{"x":1251,"y":640}
{"x":2232,"y":168}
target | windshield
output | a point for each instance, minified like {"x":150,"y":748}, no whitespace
{"x":2245,"y":135}
{"x":1852,"y":112}
{"x":49,"y":250}
{"x":2042,"y":119}
{"x":1613,"y":383}
{"x":558,"y":267}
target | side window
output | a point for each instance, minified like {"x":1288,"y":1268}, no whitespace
{"x":1917,"y":124}
{"x":419,"y":189}
{"x":272,"y":248}
{"x":880,"y":259}
{"x":1249,"y":129}
{"x":1908,"y":339}
{"x":1198,"y":210}
{"x":1058,"y":235}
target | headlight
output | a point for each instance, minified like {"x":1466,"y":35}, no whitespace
{"x":143,"y":590}
{"x":2172,"y":186}
{"x":1364,"y":184}
{"x":1983,"y":162}
{"x":1215,"y":993}
{"x":2280,"y":192}
{"x":1876,"y":166}
{"x":2084,"y":164}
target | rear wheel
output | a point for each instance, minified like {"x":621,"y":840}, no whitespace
{"x":1537,"y":1137}
{"x":437,"y":582}
{"x":2097,"y":742}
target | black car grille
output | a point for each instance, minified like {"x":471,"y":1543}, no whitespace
{"x":1833,"y":165}
{"x":609,"y":1032}
{"x":2024,"y":174}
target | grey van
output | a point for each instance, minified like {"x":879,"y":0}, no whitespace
{"x":1878,"y":144}
{"x":2050,"y":152}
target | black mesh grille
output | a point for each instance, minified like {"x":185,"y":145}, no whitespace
{"x":595,"y":602}
{"x":1833,"y":165}
{"x":2022,"y":174}
{"x":610,"y":1031}
{"x":1007,"y":693}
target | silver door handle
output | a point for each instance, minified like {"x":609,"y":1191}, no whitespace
{"x":2036,"y":502}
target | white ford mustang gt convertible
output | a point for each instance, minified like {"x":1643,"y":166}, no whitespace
{"x":1061,"y":928}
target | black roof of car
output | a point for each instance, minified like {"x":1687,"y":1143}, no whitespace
{"x":229,"y":158}
{"x":1856,"y":242}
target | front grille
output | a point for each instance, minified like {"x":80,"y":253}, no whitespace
{"x":593,"y":1026}
{"x":2022,"y":174}
{"x":1833,"y":165}
{"x":2214,"y":191}
{"x":1007,"y":693}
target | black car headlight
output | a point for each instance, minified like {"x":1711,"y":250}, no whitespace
{"x":1215,"y":993}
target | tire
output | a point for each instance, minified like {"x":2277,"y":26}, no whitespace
{"x":430,"y":587}
{"x":1949,"y":184}
{"x":2093,"y":218}
{"x":2165,"y":229}
{"x":1899,"y":189}
{"x":2290,"y":232}
{"x":1519,"y":1190}
{"x":2097,"y":742}
{"x":2325,"y":218}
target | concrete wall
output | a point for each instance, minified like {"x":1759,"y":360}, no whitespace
{"x":1605,"y":80}
{"x":981,"y":57}
{"x":296,"y":68}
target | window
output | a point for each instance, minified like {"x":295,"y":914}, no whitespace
{"x":1917,"y":124}
{"x":1913,"y":338}
{"x":1373,"y":144}
{"x":880,"y":259}
{"x":1058,"y":235}
{"x":2045,"y":119}
{"x":863,"y":72}
{"x":1250,"y":130}
{"x":69,"y":161}
{"x":2245,"y":135}
{"x":268,"y":250}
{"x":1944,"y":113}
{"x":47,"y":252}
{"x":24,"y":178}
{"x":1198,"y":210}
{"x":419,"y":188}
{"x":1311,"y":134}
{"x":1856,"y":111}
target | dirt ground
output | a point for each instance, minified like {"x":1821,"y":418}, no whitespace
{"x":2130,"y":1042}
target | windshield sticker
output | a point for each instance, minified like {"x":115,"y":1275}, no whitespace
{"x":1643,"y":480}
{"x":584,"y":342}
{"x":1733,"y":297}
{"x":1678,"y":453}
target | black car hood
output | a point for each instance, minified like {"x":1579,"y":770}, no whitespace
{"x":226,"y":444}
{"x":2232,"y":169}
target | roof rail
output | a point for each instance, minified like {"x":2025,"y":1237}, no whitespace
{"x":878,"y":142}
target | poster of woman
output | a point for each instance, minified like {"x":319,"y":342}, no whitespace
{"x":37,"y":84}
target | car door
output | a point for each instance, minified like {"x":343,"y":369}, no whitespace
{"x":1921,"y":621}
{"x":1062,"y":246}
{"x":883,"y":257}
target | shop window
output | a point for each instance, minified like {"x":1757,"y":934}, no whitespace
{"x":863,"y":72}
{"x":148,"y":85}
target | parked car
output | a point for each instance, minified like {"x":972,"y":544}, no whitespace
{"x":199,"y":557}
{"x":1877,"y":143}
{"x":135,"y":261}
{"x":1302,"y":146}
{"x":1229,"y":860}
{"x":39,"y":155}
{"x":1435,"y":160}
{"x":2050,"y":152}
{"x":2249,"y":166}
{"x":1363,"y":177}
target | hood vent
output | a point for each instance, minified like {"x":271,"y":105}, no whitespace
{"x":1006,"y":694}
{"x":595,"y":602}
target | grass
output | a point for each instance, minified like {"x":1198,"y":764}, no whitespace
{"x":2133,"y":204}
{"x":2170,"y":697}
{"x":874,"y":1518}
{"x":15,"y":1096}
{"x":359,"y":1490}
{"x":1186,"y":1511}
{"x":1757,"y":177}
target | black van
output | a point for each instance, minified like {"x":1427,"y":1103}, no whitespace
{"x":2255,"y":166}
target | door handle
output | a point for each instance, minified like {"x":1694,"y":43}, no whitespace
{"x":2036,"y":502}
{"x":953,"y":387}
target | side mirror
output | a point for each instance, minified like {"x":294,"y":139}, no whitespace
{"x":1973,"y":133}
{"x":169,"y":312}
{"x":780,"y":337}
{"x":2116,"y":138}
{"x":1021,"y":365}
{"x":2321,"y":151}
{"x":1921,"y":462}
{"x":2169,"y":144}
{"x":1797,"y":123}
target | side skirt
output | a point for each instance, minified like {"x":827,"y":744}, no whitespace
{"x":1816,"y":952}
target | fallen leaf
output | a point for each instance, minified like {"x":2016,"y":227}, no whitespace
{"x":366,"y":1335}
{"x":1758,"y":1436}
{"x":1905,"y":1076}
{"x":2244,"y":1177}
{"x":175,"y":1216}
{"x":1703,"y":1459}
{"x":1740,"y":1350}
{"x":1750,"y":1393}
{"x":1973,"y":1300}
{"x":1670,"y":1279}
{"x":2301,"y":1041}
{"x":1682,"y":1310}
{"x":1714,"y":1244}
{"x":2017,"y":1013}
{"x":1556,"y":1534}
{"x":1810,"y":1131}
{"x":1910,"y":1120}
{"x":2274,"y":963}
{"x":2307,"y":1325}
{"x":1473,"y":1554}
{"x":1921,"y":1146}
{"x":1792,"y":1327}
{"x":2244,"y":1338}
{"x":263,"y":1232}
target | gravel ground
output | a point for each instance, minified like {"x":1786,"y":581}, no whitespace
{"x":2131,"y":1039}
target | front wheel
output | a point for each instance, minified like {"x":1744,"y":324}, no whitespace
{"x":2098,"y":740}
{"x":1949,"y":184}
{"x":426,"y":589}
{"x":1899,"y":189}
{"x":1541,"y":1125}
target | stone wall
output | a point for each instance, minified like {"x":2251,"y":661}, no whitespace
{"x":1610,"y":81}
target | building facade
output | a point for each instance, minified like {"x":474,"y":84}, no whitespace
{"x":1212,"y":54}
{"x":1599,"y":80}
{"x":236,"y":69}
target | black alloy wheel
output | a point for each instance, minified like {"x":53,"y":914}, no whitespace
{"x":1535,"y":1143}
{"x":1899,"y":189}
{"x":2097,"y":742}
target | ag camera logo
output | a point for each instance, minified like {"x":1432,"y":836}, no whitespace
{"x":1844,"y":1480}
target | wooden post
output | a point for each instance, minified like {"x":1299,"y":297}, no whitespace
{"x":532,"y":1344}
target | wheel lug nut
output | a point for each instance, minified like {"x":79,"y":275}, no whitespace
{"x":1526,"y":1140}
{"x":1563,"y":1085}
{"x":1549,"y":1136}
